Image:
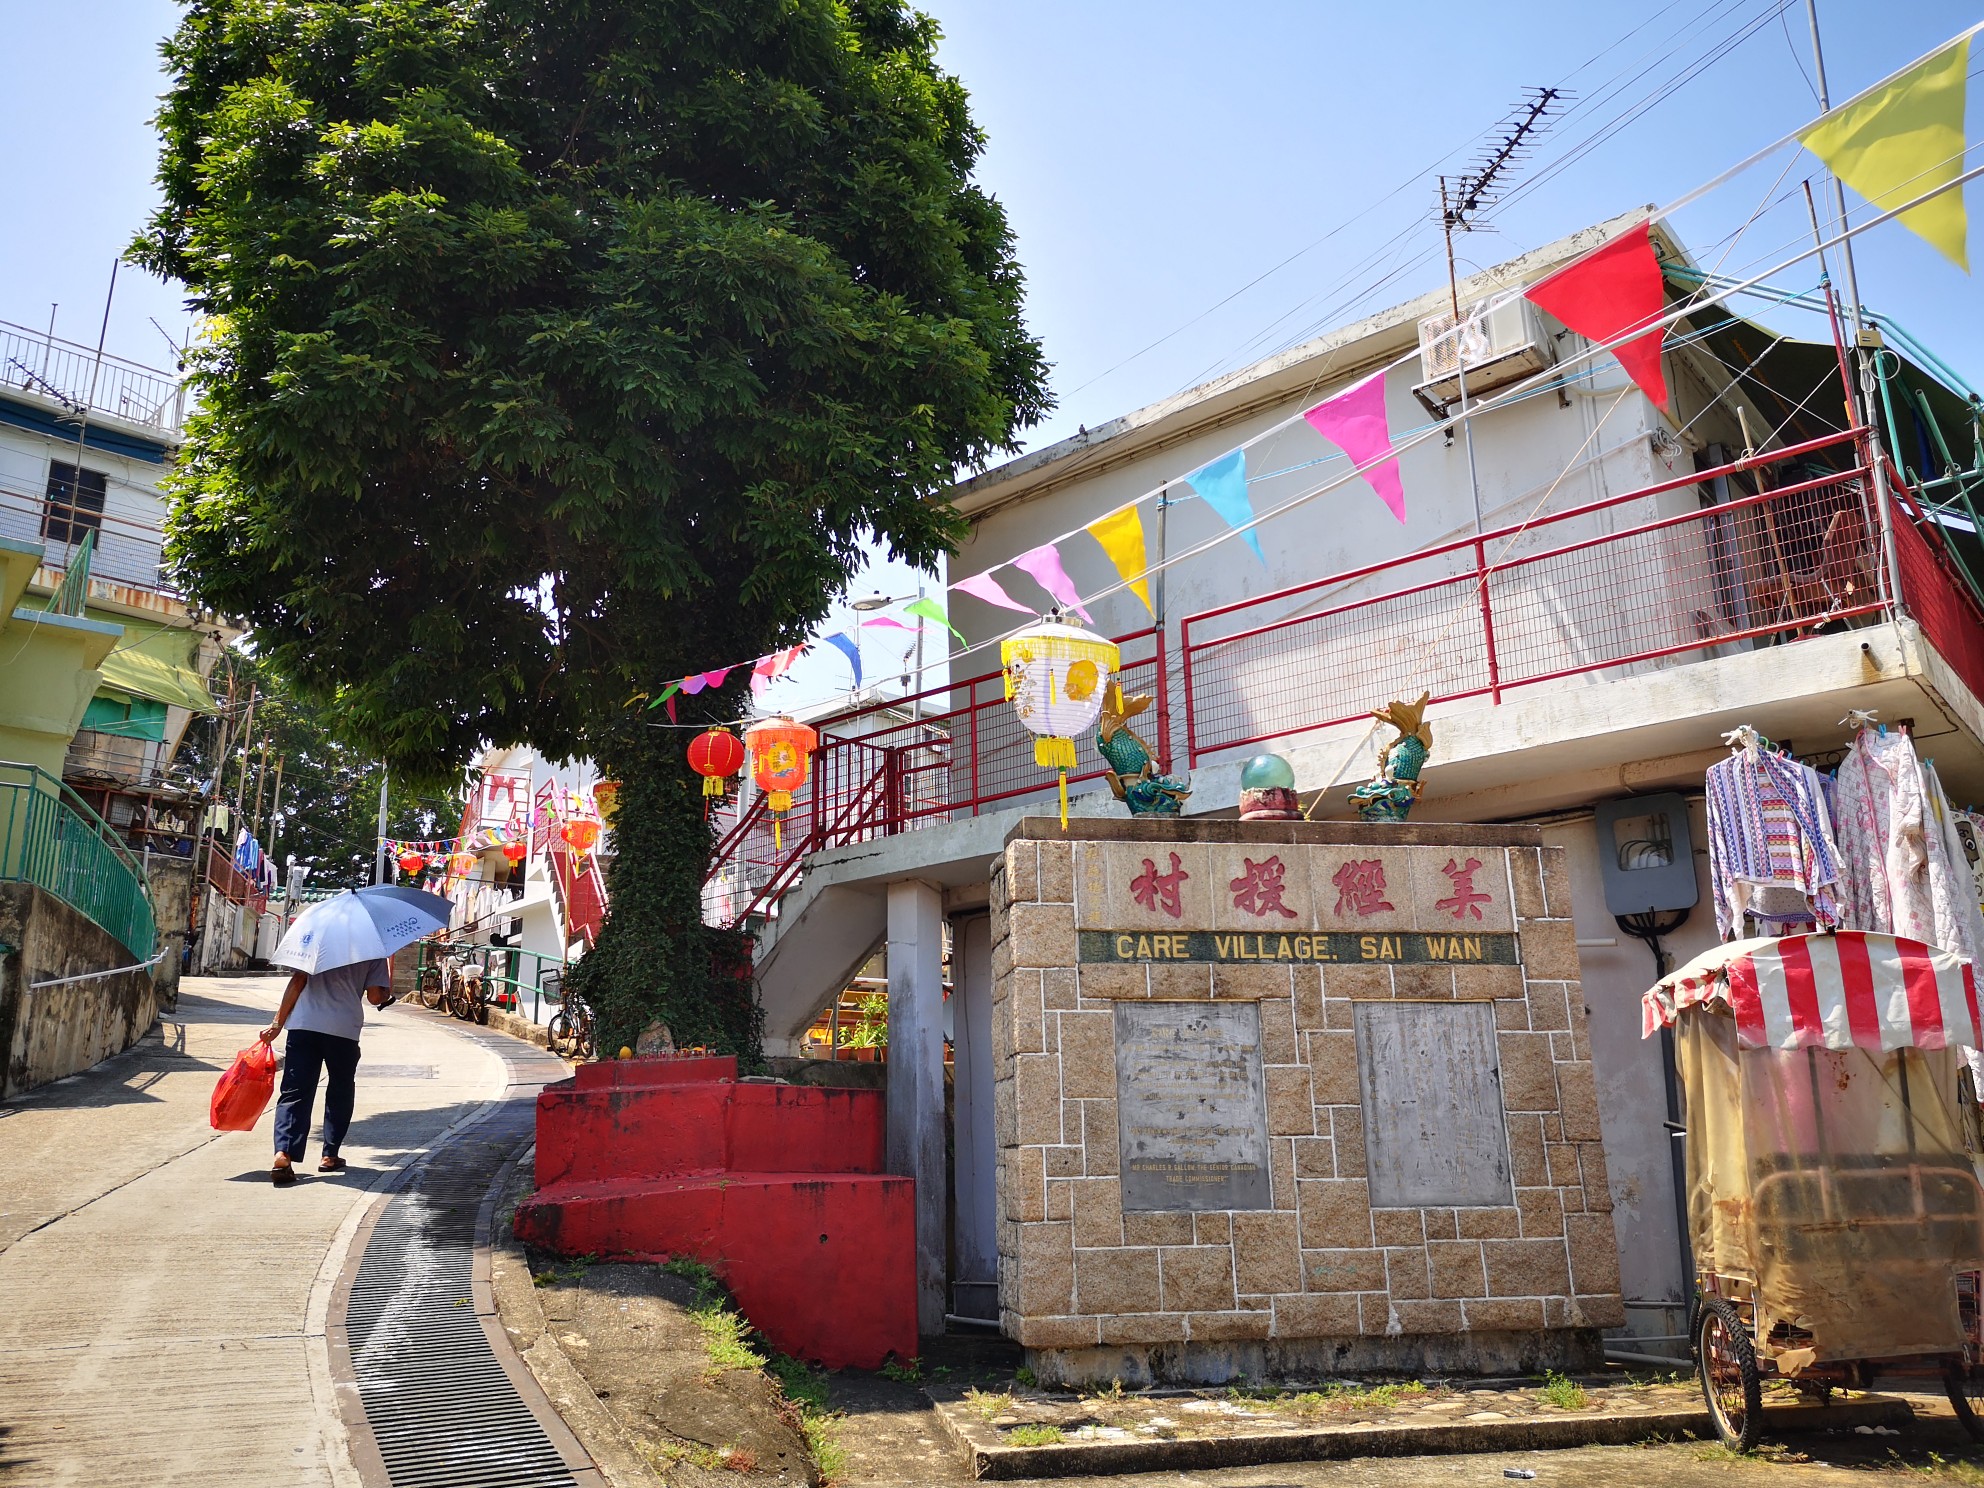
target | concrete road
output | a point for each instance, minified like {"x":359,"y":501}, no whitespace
{"x":162,"y":1305}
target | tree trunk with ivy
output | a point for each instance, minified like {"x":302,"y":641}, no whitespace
{"x":656,"y":959}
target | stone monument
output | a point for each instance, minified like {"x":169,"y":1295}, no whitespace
{"x":1291,"y":1098}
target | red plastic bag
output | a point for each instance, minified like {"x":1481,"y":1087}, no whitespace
{"x":244,"y":1091}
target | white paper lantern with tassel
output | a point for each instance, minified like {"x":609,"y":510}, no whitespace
{"x":1056,"y":677}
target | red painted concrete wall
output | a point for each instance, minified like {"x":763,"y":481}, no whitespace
{"x":777,"y":1188}
{"x":823,"y":1266}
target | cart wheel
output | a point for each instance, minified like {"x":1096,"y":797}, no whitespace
{"x":1966,"y":1387}
{"x":1730,"y":1385}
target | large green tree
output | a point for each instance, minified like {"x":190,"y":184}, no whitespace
{"x":560,"y":347}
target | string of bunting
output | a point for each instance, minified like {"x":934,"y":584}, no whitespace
{"x":1896,"y":142}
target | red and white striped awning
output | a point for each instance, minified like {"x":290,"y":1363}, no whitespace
{"x":1848,"y":990}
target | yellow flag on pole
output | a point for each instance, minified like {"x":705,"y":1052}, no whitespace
{"x":1122,"y":537}
{"x":1905,"y":139}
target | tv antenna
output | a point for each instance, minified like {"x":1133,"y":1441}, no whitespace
{"x":1465,"y":197}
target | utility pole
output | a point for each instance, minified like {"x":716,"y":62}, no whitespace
{"x":261,"y":779}
{"x":379,"y":850}
{"x":274,"y":806}
{"x":247,"y":744}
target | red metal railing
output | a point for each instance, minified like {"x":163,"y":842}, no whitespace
{"x":1559,"y":595}
{"x":938,"y":755}
{"x":1936,"y":595}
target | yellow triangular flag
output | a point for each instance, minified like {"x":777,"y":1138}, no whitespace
{"x":1122,"y":537}
{"x":1903,"y":140}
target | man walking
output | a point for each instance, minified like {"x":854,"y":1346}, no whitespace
{"x":325,"y":1014}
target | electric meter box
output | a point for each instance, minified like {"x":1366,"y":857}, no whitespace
{"x":1646,"y":855}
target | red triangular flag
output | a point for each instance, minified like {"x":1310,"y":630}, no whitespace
{"x":1606,"y":294}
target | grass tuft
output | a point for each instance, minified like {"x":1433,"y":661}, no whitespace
{"x":1033,"y":1436}
{"x":987,"y":1403}
{"x":906,"y":1372}
{"x":1563,"y":1392}
{"x":1025,"y":1377}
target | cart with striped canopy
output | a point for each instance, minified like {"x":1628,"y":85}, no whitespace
{"x":1834,"y":1204}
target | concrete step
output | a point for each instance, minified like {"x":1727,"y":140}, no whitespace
{"x":824,"y":1266}
{"x":660,"y":1131}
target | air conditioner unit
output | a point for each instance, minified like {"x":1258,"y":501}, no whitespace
{"x":1498,"y":347}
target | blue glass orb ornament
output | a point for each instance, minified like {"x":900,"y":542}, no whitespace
{"x":1267,"y":772}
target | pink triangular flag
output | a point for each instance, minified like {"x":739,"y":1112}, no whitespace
{"x":694,"y":683}
{"x":984,"y":586}
{"x":1044,"y":563}
{"x":715,"y":678}
{"x":891,"y":622}
{"x":1354,"y":421}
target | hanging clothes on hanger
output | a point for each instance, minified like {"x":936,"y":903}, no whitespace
{"x":1952,"y":891}
{"x":1970,"y":837}
{"x":1884,"y":838}
{"x":1771,"y":851}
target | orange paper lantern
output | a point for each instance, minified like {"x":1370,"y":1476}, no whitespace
{"x":581,"y":833}
{"x":781,"y":758}
{"x":461,"y":864}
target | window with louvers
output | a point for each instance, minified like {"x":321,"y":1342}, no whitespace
{"x":74,"y":504}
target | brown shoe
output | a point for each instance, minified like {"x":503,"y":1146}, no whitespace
{"x":282,"y":1175}
{"x":331,"y":1163}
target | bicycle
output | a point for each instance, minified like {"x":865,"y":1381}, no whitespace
{"x":431,"y":990}
{"x":569,"y":1034}
{"x":468,"y":998}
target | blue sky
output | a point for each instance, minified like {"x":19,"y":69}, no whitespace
{"x":1219,"y":180}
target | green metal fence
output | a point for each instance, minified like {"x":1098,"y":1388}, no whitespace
{"x":50,"y":837}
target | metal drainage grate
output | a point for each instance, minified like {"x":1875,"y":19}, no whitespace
{"x":442,"y":1411}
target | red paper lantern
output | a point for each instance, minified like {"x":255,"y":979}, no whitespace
{"x":716,"y":756}
{"x":516,"y":852}
{"x":580,"y":834}
{"x":411,"y":863}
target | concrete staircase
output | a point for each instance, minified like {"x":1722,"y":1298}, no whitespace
{"x":779,"y":1189}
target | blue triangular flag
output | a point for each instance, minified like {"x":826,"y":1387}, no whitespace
{"x":1223,"y":487}
{"x":842,"y":642}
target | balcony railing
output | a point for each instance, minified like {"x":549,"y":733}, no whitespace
{"x":127,"y":550}
{"x":886,"y":767}
{"x":50,"y":838}
{"x":1638,"y":582}
{"x":77,"y":378}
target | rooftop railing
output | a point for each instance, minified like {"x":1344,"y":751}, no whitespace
{"x":81,"y":381}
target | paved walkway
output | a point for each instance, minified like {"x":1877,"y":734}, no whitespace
{"x":162,"y":1306}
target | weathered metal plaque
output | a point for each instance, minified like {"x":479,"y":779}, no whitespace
{"x":1191,"y":1106}
{"x":1434,"y":1134}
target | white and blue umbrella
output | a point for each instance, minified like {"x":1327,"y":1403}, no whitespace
{"x":360,"y":925}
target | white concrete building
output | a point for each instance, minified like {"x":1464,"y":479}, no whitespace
{"x":1639,"y":587}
